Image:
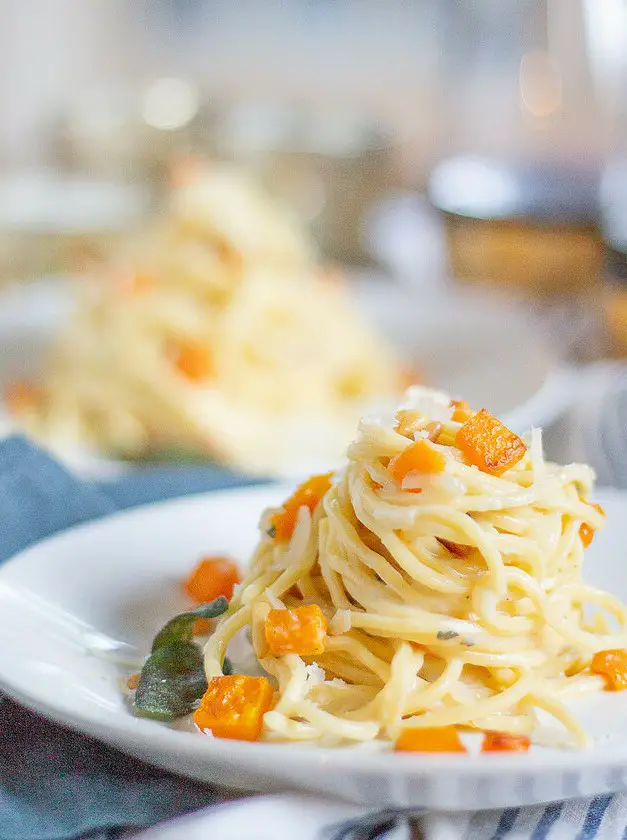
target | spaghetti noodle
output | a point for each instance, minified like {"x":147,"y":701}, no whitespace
{"x":452,"y":596}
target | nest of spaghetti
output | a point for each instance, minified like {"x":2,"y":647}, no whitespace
{"x":432,"y":587}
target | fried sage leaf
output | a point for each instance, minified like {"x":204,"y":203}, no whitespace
{"x":173,"y":680}
{"x":180,"y":627}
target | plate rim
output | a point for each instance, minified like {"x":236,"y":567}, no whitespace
{"x":544,"y":406}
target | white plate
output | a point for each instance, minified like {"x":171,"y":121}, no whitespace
{"x":117,"y":580}
{"x":486,"y":352}
{"x":489,"y":351}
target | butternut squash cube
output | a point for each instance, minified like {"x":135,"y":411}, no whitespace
{"x":420,"y":457}
{"x":440,"y":739}
{"x":233,"y":707}
{"x":488,"y":444}
{"x":503,"y":742}
{"x":301,"y":630}
{"x":308,"y":495}
{"x":612,"y":665}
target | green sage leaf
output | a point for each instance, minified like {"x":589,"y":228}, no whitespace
{"x":172,"y":682}
{"x":180,"y":627}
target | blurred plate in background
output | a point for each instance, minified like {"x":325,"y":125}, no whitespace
{"x":482,"y":350}
{"x":485,"y":350}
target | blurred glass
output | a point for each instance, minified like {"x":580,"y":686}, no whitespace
{"x":134,"y":133}
{"x":517,"y":183}
{"x":331,"y":168}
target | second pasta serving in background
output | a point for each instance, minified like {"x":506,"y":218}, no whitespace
{"x":216,"y":334}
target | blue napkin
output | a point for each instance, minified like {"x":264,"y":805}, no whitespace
{"x":55,"y":784}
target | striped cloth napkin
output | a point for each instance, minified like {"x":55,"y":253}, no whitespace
{"x":307,"y":818}
{"x":603,"y":817}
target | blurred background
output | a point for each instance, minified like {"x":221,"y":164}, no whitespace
{"x":459,"y":170}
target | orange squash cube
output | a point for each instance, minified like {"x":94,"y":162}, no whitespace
{"x":194,"y":361}
{"x":419,"y":457}
{"x":307,"y":495}
{"x":502,"y":742}
{"x":612,"y":666}
{"x":585,"y":531}
{"x":301,"y":630}
{"x":461,"y":411}
{"x":234,"y":706}
{"x":439,"y":739}
{"x":21,"y":396}
{"x":212,"y":577}
{"x":488,"y":444}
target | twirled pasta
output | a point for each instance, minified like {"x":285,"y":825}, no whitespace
{"x":454,"y":597}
